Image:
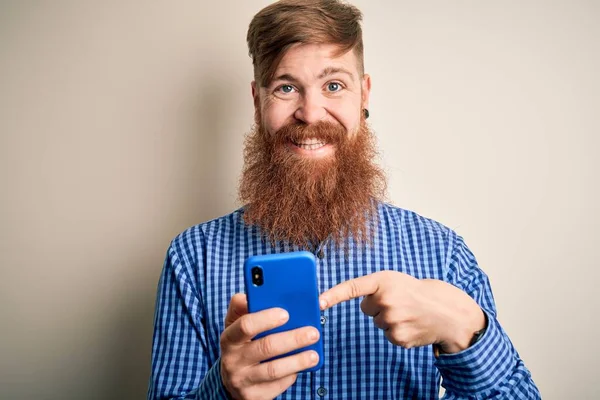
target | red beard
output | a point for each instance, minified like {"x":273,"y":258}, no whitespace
{"x":304,"y":201}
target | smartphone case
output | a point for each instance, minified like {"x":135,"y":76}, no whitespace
{"x":289,"y":282}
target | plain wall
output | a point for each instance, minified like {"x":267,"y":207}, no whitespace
{"x":122,"y":123}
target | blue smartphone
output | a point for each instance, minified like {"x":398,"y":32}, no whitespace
{"x":288,"y":281}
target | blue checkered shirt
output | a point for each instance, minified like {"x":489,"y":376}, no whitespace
{"x":203,"y":270}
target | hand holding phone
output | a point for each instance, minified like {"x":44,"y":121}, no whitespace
{"x":245,"y":367}
{"x":288,"y":281}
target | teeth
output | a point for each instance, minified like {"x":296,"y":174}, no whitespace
{"x":311,"y":141}
{"x":310,"y":144}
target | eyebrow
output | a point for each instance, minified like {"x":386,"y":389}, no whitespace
{"x":335,"y":70}
{"x":325,"y":73}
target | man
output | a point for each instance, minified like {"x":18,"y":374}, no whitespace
{"x":309,"y":182}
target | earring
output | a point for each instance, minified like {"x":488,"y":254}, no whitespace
{"x":366,"y":113}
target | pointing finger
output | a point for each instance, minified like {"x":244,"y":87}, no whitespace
{"x":352,"y":289}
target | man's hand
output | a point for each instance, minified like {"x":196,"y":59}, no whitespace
{"x":413,"y":312}
{"x":242,"y":373}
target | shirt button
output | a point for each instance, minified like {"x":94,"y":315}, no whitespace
{"x":321,"y":254}
{"x":321,"y":391}
{"x":323,"y":319}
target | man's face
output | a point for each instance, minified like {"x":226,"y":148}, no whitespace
{"x":312,"y":85}
{"x":308,"y":162}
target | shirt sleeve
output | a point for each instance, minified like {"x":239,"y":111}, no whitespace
{"x":491,"y":368}
{"x":180,"y":368}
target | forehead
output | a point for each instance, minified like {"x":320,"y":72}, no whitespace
{"x":308,"y":61}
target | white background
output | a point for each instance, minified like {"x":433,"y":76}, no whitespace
{"x":122,"y":123}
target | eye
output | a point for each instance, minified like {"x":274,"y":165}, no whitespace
{"x":333,"y":87}
{"x":285,"y":89}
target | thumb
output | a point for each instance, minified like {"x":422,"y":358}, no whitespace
{"x":238,"y":306}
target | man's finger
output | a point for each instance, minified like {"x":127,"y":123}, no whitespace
{"x":238,"y":306}
{"x":369,"y":306}
{"x":352,"y":289}
{"x":280,"y":343}
{"x":272,"y":389}
{"x":248,"y":326}
{"x":379,"y":322}
{"x":282,"y":367}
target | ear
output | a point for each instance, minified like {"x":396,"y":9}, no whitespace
{"x":255,"y":95}
{"x":366,"y":90}
{"x":256,"y":100}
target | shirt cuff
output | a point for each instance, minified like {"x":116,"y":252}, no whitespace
{"x":212,"y":385}
{"x":481,"y":366}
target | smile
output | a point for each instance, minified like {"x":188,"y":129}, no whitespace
{"x":311,"y":144}
{"x":311,"y":148}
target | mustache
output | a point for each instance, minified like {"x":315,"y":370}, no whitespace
{"x":327,"y":132}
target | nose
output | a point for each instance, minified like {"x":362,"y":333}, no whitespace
{"x":311,"y":108}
